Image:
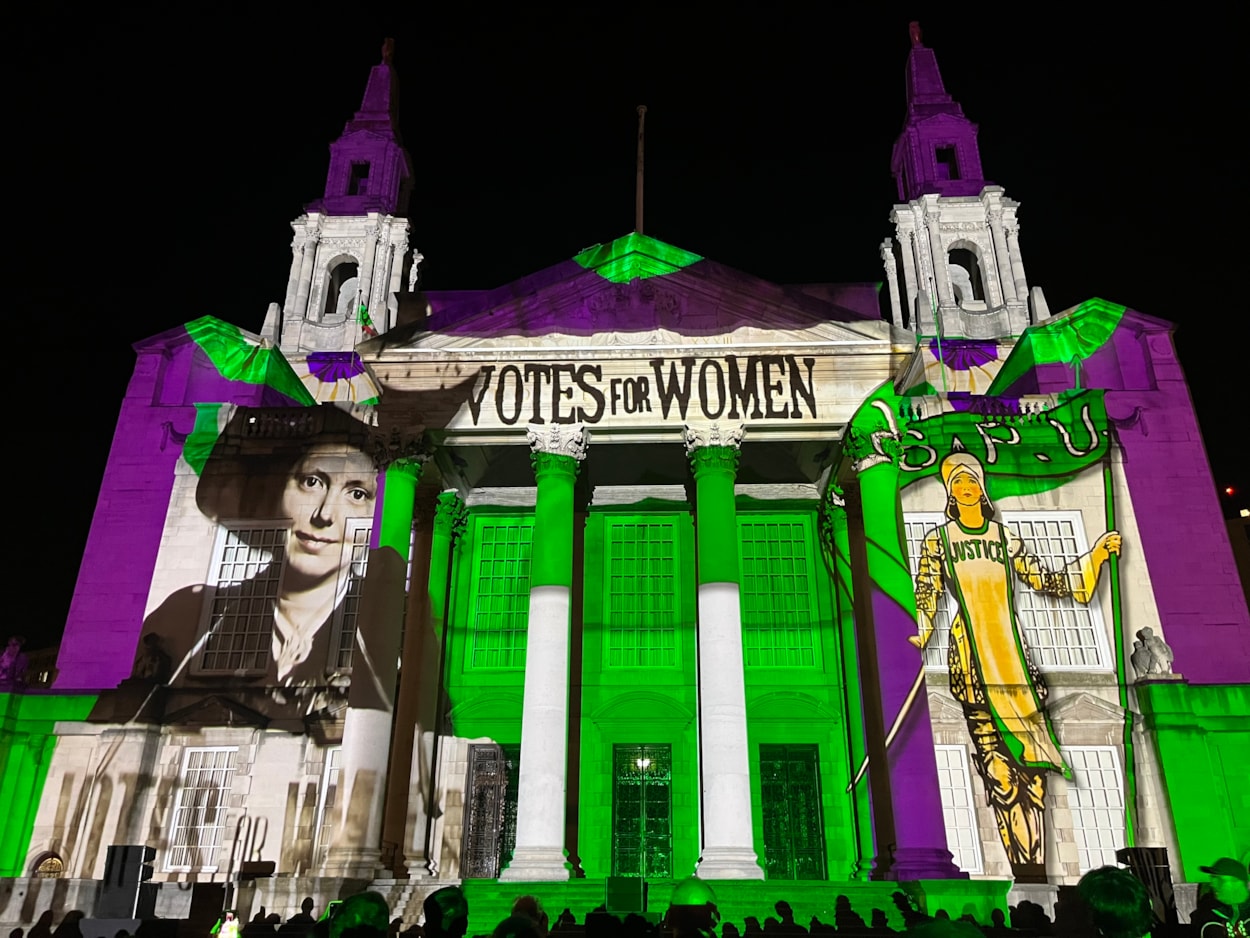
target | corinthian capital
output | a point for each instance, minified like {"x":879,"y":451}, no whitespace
{"x":697,"y":436}
{"x":558,"y":439}
{"x":400,"y":451}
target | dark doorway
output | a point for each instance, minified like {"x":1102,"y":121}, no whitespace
{"x":794,"y":826}
{"x":642,"y":811}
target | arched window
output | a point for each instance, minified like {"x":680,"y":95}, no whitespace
{"x":965,"y":271}
{"x":340,"y":290}
{"x":49,"y":866}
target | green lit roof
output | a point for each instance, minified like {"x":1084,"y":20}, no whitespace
{"x":635,"y":257}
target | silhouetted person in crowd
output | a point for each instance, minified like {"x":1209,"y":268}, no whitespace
{"x":69,"y":927}
{"x":364,"y":915}
{"x":446,"y":913}
{"x":1115,"y":903}
{"x":844,"y":917}
{"x":16,"y":933}
{"x":1031,"y":917}
{"x":515,"y":926}
{"x":1225,"y":910}
{"x":43,"y":927}
{"x":786,"y":925}
{"x":944,"y":928}
{"x":529,"y":907}
{"x":304,"y":916}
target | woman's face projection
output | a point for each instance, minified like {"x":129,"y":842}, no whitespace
{"x":325,"y":490}
{"x":966,"y":489}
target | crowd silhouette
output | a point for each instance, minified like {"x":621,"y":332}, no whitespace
{"x":1109,"y":902}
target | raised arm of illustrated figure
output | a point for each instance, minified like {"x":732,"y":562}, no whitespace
{"x":929,"y":587}
{"x":1077,"y":579}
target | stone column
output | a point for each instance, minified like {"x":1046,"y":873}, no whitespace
{"x":427,"y":681}
{"x":556,"y":453}
{"x":1017,"y":263}
{"x":906,"y":801}
{"x":912,"y":277}
{"x":941,"y":271}
{"x":356,"y":849}
{"x":891,"y":279}
{"x":307,"y":266}
{"x":728,"y":838}
{"x":365,"y":283}
{"x":1001,"y":262}
{"x":395,"y":261}
{"x":292,"y":280}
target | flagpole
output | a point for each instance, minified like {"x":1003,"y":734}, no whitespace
{"x":642,"y":120}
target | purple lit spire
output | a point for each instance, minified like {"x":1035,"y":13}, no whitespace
{"x":937,"y":150}
{"x":370,"y":171}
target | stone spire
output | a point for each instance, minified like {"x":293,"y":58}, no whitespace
{"x":937,"y":151}
{"x":370,"y":171}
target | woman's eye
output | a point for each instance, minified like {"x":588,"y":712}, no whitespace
{"x":359,"y":495}
{"x":310,"y":482}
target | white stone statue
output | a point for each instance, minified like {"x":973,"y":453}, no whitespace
{"x":1151,"y":655}
{"x":414,"y":272}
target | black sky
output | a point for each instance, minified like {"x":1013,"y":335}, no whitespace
{"x":156,"y":161}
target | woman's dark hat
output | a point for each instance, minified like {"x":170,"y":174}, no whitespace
{"x":1226,"y":866}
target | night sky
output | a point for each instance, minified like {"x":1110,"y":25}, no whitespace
{"x":157,"y":163}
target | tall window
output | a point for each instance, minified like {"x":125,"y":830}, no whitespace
{"x":778,"y":591}
{"x":349,"y":609}
{"x":1062,"y":634}
{"x":500,"y":609}
{"x":963,"y":839}
{"x":327,"y":805}
{"x":247,"y":570}
{"x":642,"y":604}
{"x":199,"y":819}
{"x":1096,"y":799}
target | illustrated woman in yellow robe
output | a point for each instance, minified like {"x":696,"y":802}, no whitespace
{"x":1001,"y":691}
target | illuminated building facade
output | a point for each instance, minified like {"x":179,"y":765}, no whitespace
{"x":641,"y":566}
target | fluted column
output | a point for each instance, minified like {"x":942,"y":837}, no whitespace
{"x":941,"y":271}
{"x":911,"y":276}
{"x":366,"y":273}
{"x":891,"y":279}
{"x":556,"y":452}
{"x":292,"y":280}
{"x":306,"y":268}
{"x":1017,"y":262}
{"x":728,"y":837}
{"x":1001,"y":261}
{"x":371,"y":699}
{"x":906,"y":799}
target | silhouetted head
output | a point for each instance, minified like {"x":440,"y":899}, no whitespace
{"x":446,"y":913}
{"x":1228,"y":881}
{"x":1117,"y":901}
{"x":360,"y":914}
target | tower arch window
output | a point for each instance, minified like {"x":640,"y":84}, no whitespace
{"x":341,"y":283}
{"x":964,"y":263}
{"x":358,"y":178}
{"x":947,"y":162}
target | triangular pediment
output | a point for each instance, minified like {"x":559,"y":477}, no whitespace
{"x":639,"y":292}
{"x":217,"y":710}
{"x":1083,"y":707}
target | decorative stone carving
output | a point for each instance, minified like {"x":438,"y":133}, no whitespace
{"x":558,"y":439}
{"x":1152,"y":656}
{"x":450,"y":515}
{"x":407,"y":453}
{"x":877,"y":446}
{"x":697,"y":436}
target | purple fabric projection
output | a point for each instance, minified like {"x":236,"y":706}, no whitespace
{"x":964,"y":354}
{"x":329,"y":367}
{"x":1183,"y":538}
{"x":105,"y":620}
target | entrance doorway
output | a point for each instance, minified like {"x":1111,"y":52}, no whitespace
{"x":642,"y":811}
{"x":490,"y":815}
{"x":794,"y":828}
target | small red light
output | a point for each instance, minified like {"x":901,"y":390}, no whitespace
{"x":1229,"y":490}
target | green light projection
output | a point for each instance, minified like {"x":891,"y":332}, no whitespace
{"x":238,"y":358}
{"x":1068,"y":339}
{"x":27,"y":742}
{"x":635,"y":257}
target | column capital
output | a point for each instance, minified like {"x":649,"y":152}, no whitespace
{"x":701,"y":436}
{"x":450,"y":515}
{"x":872,"y":449}
{"x":403,"y":452}
{"x":556,"y":439}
